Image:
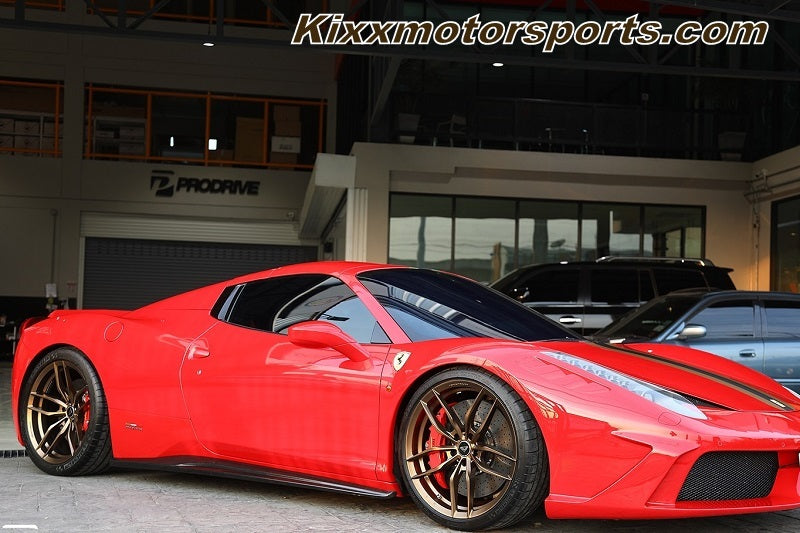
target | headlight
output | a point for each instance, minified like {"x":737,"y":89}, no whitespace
{"x":658,"y":395}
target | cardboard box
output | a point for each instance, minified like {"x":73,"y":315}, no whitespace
{"x":6,"y":125}
{"x":49,"y":129}
{"x":131,"y":149}
{"x":249,"y":141}
{"x":26,"y":127}
{"x":286,"y":145}
{"x":288,"y":128}
{"x":27,"y":142}
{"x":282,"y":113}
{"x":131,"y":132}
{"x":103,"y":134}
{"x":6,"y":141}
{"x":281,"y":157}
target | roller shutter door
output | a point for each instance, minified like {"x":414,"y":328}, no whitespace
{"x":129,"y":273}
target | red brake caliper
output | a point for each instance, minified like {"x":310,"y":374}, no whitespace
{"x":86,"y":409}
{"x":437,"y":458}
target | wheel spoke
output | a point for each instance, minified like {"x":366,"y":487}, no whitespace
{"x":46,"y":413}
{"x":486,"y":421}
{"x":57,"y":423}
{"x":64,"y":429}
{"x":436,"y":469}
{"x":455,"y":477}
{"x":470,"y":495}
{"x":49,"y":398}
{"x":484,"y":448}
{"x":487,"y":470}
{"x":455,"y":421}
{"x":469,"y":417}
{"x":432,"y":449}
{"x":439,"y":427}
{"x":62,"y":374}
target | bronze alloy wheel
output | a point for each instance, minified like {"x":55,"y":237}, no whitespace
{"x":466,"y":443}
{"x":63,"y":415}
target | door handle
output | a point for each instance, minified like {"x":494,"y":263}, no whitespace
{"x":569,"y":320}
{"x":198,"y":352}
{"x":747,"y":353}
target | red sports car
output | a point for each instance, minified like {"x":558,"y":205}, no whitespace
{"x":380,"y":380}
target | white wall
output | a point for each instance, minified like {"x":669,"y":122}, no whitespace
{"x":717,"y":185}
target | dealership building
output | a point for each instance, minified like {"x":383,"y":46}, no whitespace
{"x":138,"y":161}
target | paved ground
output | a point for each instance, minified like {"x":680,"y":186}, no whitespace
{"x":144,"y":501}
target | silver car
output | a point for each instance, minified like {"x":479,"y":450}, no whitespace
{"x":757,"y":329}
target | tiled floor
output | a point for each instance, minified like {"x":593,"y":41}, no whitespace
{"x":7,"y":439}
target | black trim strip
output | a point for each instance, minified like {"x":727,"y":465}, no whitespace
{"x":232,"y":470}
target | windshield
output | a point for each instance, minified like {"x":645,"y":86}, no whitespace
{"x":428,"y":304}
{"x":650,"y":320}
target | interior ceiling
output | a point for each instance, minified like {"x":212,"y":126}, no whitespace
{"x":780,"y":13}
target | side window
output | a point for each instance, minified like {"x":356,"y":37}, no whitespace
{"x":614,"y":286}
{"x":674,"y":279}
{"x":551,"y":286}
{"x":783,"y":319}
{"x":726,"y":319}
{"x":274,"y":304}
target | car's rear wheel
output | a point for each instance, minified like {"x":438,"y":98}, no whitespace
{"x":64,"y":417}
{"x":470,"y":452}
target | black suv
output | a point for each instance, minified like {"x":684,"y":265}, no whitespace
{"x":587,"y":296}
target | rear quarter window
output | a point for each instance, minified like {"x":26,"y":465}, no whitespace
{"x":675,"y":279}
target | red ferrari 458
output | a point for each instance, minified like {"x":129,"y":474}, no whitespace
{"x":380,"y":380}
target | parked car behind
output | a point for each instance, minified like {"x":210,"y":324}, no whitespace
{"x":587,"y":296}
{"x":758,"y":329}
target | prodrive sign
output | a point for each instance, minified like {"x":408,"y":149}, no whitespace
{"x":165,"y":184}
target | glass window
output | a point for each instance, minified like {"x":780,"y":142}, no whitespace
{"x":420,"y":231}
{"x":485,"y":238}
{"x":458,"y":306}
{"x":726,"y":319}
{"x":614,"y":286}
{"x":236,"y":130}
{"x":28,"y":124}
{"x":786,"y":245}
{"x":675,"y":279}
{"x":671,"y":231}
{"x":557,"y":285}
{"x":548,"y":232}
{"x":650,"y":320}
{"x":783,"y":319}
{"x":178,"y":127}
{"x":117,"y":123}
{"x":274,"y":304}
{"x":609,"y":229}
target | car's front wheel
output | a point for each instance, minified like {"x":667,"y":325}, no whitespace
{"x":470,"y":452}
{"x":64,"y":417}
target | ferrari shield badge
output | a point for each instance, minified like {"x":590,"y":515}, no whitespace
{"x":400,"y":359}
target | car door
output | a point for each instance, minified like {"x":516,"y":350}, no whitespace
{"x":732,"y":330}
{"x":781,"y":334}
{"x":555,"y":292}
{"x":253,"y":395}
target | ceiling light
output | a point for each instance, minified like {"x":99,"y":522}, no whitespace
{"x":208,"y":43}
{"x":497,"y":64}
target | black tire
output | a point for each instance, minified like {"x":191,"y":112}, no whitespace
{"x":63,"y":416}
{"x":470,"y":453}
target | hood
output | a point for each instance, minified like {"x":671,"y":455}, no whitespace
{"x":692,"y":373}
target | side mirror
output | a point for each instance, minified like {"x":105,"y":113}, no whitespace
{"x":317,"y":334}
{"x":692,"y":331}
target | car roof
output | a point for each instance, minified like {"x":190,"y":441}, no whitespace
{"x":702,"y":294}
